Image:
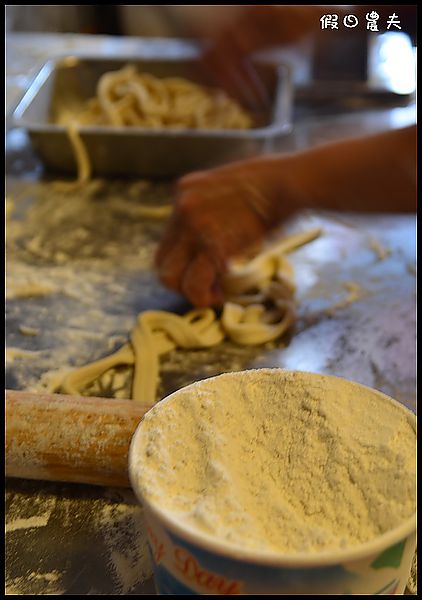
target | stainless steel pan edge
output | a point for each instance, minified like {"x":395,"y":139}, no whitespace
{"x":141,"y":151}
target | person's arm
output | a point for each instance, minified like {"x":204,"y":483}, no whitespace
{"x":369,"y":174}
{"x":227,"y":59}
{"x":220,"y":212}
{"x":259,"y":27}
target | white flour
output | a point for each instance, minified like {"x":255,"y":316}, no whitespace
{"x":114,"y":523}
{"x":68,"y":274}
{"x":28,"y":513}
{"x":35,"y":583}
{"x":27,"y":523}
{"x":279,"y":468}
{"x":123,"y":530}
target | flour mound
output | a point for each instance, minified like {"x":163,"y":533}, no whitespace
{"x":279,"y":461}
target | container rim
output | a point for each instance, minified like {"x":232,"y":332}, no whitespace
{"x":272,"y":128}
{"x":273,"y":559}
{"x":133,"y":131}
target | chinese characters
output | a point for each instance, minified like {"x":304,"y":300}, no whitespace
{"x":331,"y":21}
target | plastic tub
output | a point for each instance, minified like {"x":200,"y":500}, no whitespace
{"x":188,"y":562}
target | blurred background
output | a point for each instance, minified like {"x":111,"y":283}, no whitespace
{"x":331,"y":72}
{"x":138,"y":20}
{"x":346,"y":83}
{"x":342,"y":54}
{"x":156,"y":21}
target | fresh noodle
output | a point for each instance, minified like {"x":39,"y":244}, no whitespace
{"x":127,"y":98}
{"x":259,"y":308}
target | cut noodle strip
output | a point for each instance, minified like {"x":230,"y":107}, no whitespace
{"x":268,"y":277}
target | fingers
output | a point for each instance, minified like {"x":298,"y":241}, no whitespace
{"x":170,"y":238}
{"x":189,"y":270}
{"x":176,"y":250}
{"x":187,"y":264}
{"x":215,"y":218}
{"x":254,"y":94}
{"x":200,"y":282}
{"x":258,"y":27}
{"x":234,"y":72}
{"x":173,"y":265}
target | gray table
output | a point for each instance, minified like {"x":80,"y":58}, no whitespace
{"x":91,"y":257}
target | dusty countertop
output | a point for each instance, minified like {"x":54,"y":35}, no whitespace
{"x":94,"y":278}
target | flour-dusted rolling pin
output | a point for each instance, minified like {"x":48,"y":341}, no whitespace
{"x":69,"y":438}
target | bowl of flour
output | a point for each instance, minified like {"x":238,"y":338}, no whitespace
{"x":270,"y":481}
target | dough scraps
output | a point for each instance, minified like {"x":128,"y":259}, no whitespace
{"x":259,"y":308}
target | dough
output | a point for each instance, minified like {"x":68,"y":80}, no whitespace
{"x":355,"y":292}
{"x":259,"y":308}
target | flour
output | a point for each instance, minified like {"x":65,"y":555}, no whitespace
{"x":123,"y":530}
{"x":35,"y":583}
{"x":75,"y":281}
{"x":412,"y":583}
{"x":381,"y":252}
{"x":267,"y":463}
{"x":27,"y":514}
{"x":70,"y":529}
{"x":27,"y":523}
{"x":355,"y":293}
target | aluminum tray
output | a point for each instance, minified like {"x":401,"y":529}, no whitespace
{"x":67,"y":81}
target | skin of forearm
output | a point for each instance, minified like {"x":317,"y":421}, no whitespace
{"x":287,"y":24}
{"x":368,"y":174}
{"x":375,"y":173}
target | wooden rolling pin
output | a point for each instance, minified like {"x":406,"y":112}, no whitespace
{"x":69,"y":438}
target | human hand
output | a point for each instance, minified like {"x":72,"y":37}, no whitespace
{"x":228,"y":57}
{"x":218,"y":214}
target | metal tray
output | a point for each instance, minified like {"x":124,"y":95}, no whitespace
{"x":67,"y":81}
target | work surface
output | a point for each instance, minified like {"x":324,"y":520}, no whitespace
{"x":87,"y":258}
